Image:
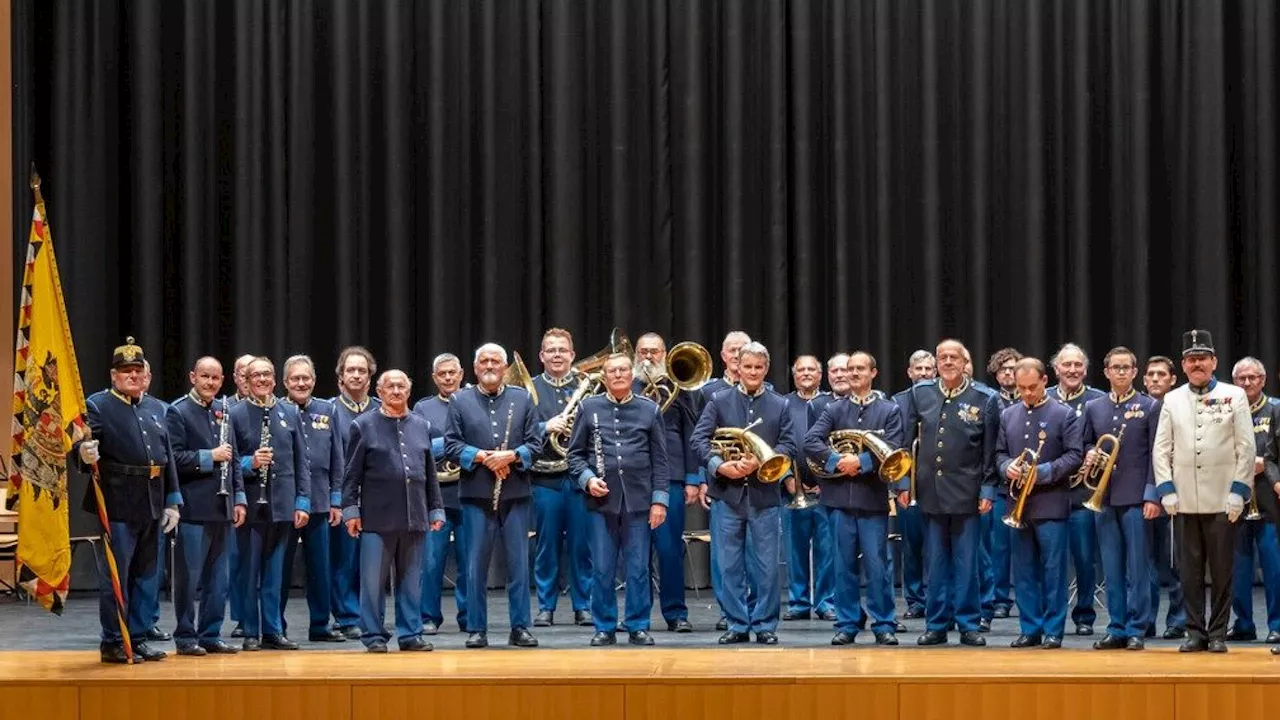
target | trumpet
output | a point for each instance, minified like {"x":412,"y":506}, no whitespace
{"x":1097,"y":477}
{"x":894,"y":464}
{"x":1029,"y":461}
{"x":687,"y":368}
{"x":740,"y":443}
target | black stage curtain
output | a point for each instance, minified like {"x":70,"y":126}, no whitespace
{"x":280,"y":176}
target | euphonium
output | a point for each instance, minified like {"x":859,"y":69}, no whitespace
{"x":894,"y":464}
{"x":1097,"y":477}
{"x":740,"y":443}
{"x":688,"y":368}
{"x":518,"y":376}
{"x":1029,"y":461}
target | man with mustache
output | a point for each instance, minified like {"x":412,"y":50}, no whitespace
{"x":808,"y":528}
{"x":997,"y":582}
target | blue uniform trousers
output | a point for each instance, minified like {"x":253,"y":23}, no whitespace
{"x":262,"y":547}
{"x":235,"y":591}
{"x":1164,"y":575}
{"x":344,"y":564}
{"x":378,"y":552}
{"x":810,"y":532}
{"x":746,"y":546}
{"x":315,"y":547}
{"x":1000,"y":538}
{"x":134,"y":547}
{"x":911,"y":526}
{"x":437,"y":556}
{"x":560,"y":519}
{"x":1126,"y":565}
{"x":1084,"y":558}
{"x":714,"y":568}
{"x":627,"y":535}
{"x":951,"y":545}
{"x":1040,"y":576}
{"x":855,"y":532}
{"x":200,"y":568}
{"x":1262,"y":535}
{"x":482,"y":529}
{"x":162,"y":560}
{"x":668,"y":545}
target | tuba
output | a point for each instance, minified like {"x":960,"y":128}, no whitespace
{"x":592,"y":379}
{"x":688,"y":368}
{"x":1029,"y":460}
{"x":894,"y":464}
{"x":1097,"y":477}
{"x":740,"y":443}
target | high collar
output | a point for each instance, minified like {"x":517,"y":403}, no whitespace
{"x":196,"y":398}
{"x":382,"y":410}
{"x":629,"y":397}
{"x":1043,"y":399}
{"x":952,"y":394}
{"x":1204,"y":389}
{"x":125,"y":398}
{"x":760,"y":391}
{"x":1066,"y":398}
{"x":443,"y":398}
{"x":352,"y":405}
{"x":496,"y":394}
{"x":1125,"y":398}
{"x":867,"y":400}
{"x":1010,"y":395}
{"x":557,"y":382}
{"x":805,"y":397}
{"x":270,"y":402}
{"x":1261,"y":403}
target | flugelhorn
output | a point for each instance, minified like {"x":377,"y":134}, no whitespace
{"x":894,"y":464}
{"x":1097,"y":477}
{"x":740,"y":443}
{"x":1029,"y":462}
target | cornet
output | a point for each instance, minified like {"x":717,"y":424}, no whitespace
{"x":1029,"y":462}
{"x":1097,"y":477}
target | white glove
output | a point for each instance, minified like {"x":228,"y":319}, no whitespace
{"x":1235,"y":506}
{"x":170,"y":519}
{"x":89,"y":452}
{"x":1170,"y":503}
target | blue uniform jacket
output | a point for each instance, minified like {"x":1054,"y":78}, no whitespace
{"x":1133,"y":479}
{"x":325,"y":453}
{"x":956,"y":460}
{"x":194,"y":430}
{"x":1266,"y":426}
{"x":478,"y":421}
{"x":553,"y":396}
{"x":390,"y":481}
{"x":1020,"y":429}
{"x":865,"y":491}
{"x":1077,"y":402}
{"x":435,"y":410}
{"x":679,"y":420}
{"x":346,"y":411}
{"x":631,"y":458}
{"x":732,"y":407}
{"x":136,"y":471}
{"x":801,"y":421}
{"x":289,"y":474}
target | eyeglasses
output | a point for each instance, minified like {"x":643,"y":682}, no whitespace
{"x":1008,"y":369}
{"x":1123,"y":369}
{"x":1250,"y":378}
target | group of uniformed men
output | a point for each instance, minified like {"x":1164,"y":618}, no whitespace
{"x":989,"y":515}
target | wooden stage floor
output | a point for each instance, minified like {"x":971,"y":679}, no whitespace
{"x":662,"y":684}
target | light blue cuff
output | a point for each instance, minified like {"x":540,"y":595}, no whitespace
{"x":173,"y":498}
{"x":335,"y":499}
{"x":713,"y":465}
{"x":660,"y":497}
{"x":435,"y":516}
{"x":437,"y":447}
{"x":205,"y":460}
{"x":1166,"y":488}
{"x":903,"y":485}
{"x":526,"y":457}
{"x":988,"y":492}
{"x":1240,"y":489}
{"x":866,"y":463}
{"x":702,"y":476}
{"x":1004,"y":470}
{"x":241,"y":499}
{"x":303,"y":504}
{"x":542,"y":429}
{"x":350,"y":513}
{"x":1149,"y":494}
{"x":830,"y":465}
{"x":583,"y":478}
{"x":1044,"y":472}
{"x":246,"y":464}
{"x":692,"y":479}
{"x":467,"y":460}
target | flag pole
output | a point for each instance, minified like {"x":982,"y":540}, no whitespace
{"x":121,"y":608}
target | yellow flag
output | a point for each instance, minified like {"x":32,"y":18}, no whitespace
{"x":48,"y":416}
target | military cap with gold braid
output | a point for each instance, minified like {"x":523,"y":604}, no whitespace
{"x":127,"y":354}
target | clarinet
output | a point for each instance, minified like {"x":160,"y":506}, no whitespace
{"x":263,"y":444}
{"x":222,"y":440}
{"x":506,"y":437}
{"x":599,"y":447}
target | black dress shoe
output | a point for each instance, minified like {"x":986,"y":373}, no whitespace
{"x":1110,"y":642}
{"x":1273,"y":637}
{"x":842,"y":638}
{"x":795,"y":615}
{"x":1052,"y":642}
{"x":1174,"y":633}
{"x":899,"y":627}
{"x":1194,"y":644}
{"x":521,"y":637}
{"x":1217,"y":645}
{"x":148,"y":653}
{"x":722,"y":624}
{"x":217,"y":647}
{"x":157,"y":635}
{"x":972,"y":639}
{"x":113,"y":653}
{"x":251,"y":644}
{"x":376,"y":646}
{"x":1242,"y":635}
{"x":984,"y":625}
{"x":828,"y":615}
{"x":1026,"y":641}
{"x":913,"y":613}
{"x":478,"y":640}
{"x":237,"y":631}
{"x":640,"y":637}
{"x":766,"y":637}
{"x":1001,"y":612}
{"x":603,"y":638}
{"x":1135,"y":643}
{"x":192,"y":651}
{"x":1275,"y":649}
{"x":680,"y":626}
{"x":1151,"y":631}
{"x":430,"y":628}
{"x":1084,"y":629}
{"x":278,"y":642}
{"x":886,"y":638}
{"x":932,"y":637}
{"x":326,"y":635}
{"x":583,"y":617}
{"x":416,"y":644}
{"x":731,"y":637}
{"x":544,"y":618}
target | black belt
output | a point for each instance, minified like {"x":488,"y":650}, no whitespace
{"x":138,"y":470}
